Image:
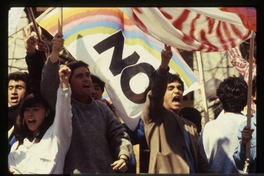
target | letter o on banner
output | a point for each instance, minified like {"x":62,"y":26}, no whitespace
{"x":127,"y":74}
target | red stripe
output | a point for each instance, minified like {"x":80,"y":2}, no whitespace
{"x":204,"y":40}
{"x":192,"y":30}
{"x":139,"y":22}
{"x":211,"y":23}
{"x":178,"y":23}
{"x":138,"y":10}
{"x":202,"y":46}
{"x":228,"y":36}
{"x":236,"y":31}
{"x":167,"y":15}
{"x":187,"y":39}
{"x":220,"y":35}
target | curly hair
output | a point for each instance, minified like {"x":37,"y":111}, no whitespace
{"x":232,"y":93}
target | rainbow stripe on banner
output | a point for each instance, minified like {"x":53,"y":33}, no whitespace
{"x":88,"y":21}
{"x":86,"y":29}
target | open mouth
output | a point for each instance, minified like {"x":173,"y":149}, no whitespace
{"x":14,"y":99}
{"x":86,"y":86}
{"x":31,"y":122}
{"x":176,"y":99}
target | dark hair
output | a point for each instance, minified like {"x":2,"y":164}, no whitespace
{"x":193,"y":115}
{"x":97,"y":80}
{"x":175,"y":77}
{"x":76,"y":64}
{"x":20,"y":76}
{"x":21,"y":128}
{"x":232,"y":93}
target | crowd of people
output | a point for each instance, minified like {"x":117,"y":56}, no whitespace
{"x":59,"y":123}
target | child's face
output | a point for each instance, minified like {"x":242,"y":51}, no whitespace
{"x":34,"y":116}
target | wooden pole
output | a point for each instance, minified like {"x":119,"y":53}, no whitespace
{"x":38,"y":19}
{"x":33,"y":20}
{"x":249,"y":97}
{"x":60,"y":19}
{"x":202,"y":85}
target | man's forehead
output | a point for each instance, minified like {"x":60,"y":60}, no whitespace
{"x":81,"y":70}
{"x":174,"y":83}
{"x":16,"y":82}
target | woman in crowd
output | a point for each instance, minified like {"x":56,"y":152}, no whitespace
{"x":42,"y":138}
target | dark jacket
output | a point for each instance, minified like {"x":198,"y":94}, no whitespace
{"x":164,"y":131}
{"x":35,"y":64}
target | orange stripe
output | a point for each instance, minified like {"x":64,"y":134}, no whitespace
{"x":246,"y":14}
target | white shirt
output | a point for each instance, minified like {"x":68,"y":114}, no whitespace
{"x":219,"y":140}
{"x":47,"y":156}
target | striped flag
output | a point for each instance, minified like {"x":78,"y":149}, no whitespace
{"x":192,"y":29}
{"x":241,"y":64}
{"x":242,"y":67}
{"x":118,"y":52}
{"x":248,"y":15}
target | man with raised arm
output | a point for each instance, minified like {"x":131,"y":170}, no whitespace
{"x":172,"y":140}
{"x":96,"y":131}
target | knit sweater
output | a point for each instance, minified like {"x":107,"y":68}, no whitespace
{"x":96,"y":131}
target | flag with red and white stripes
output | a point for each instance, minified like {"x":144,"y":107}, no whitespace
{"x":241,"y":64}
{"x":242,"y":67}
{"x":248,"y":15}
{"x":207,"y":29}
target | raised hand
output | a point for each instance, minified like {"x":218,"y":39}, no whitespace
{"x":57,"y":45}
{"x":30,"y":39}
{"x":64,"y":74}
{"x":32,"y":42}
{"x":57,"y":42}
{"x":166,"y":55}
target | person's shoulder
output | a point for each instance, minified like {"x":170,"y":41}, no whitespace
{"x":210,"y":125}
{"x":101,"y":103}
{"x":187,"y":122}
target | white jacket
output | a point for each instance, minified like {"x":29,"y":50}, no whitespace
{"x":47,"y":156}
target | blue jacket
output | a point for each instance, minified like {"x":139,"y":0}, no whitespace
{"x":136,"y":137}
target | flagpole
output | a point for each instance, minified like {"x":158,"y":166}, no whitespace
{"x":249,"y":97}
{"x":32,"y":18}
{"x":37,"y":20}
{"x":60,"y":19}
{"x":202,"y":85}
